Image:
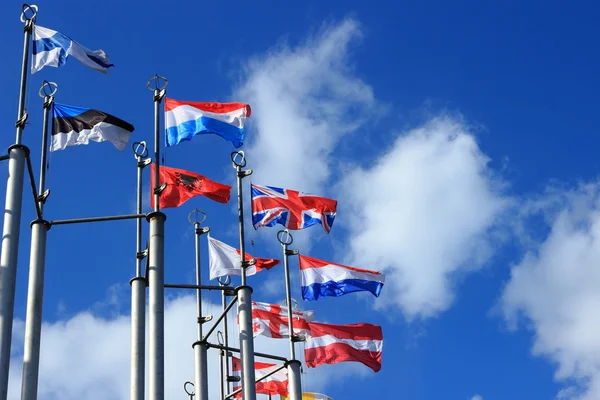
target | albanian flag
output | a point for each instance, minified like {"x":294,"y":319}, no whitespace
{"x":182,"y":185}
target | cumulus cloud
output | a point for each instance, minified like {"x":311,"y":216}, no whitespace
{"x":554,"y":288}
{"x":424,"y":212}
{"x":87,"y":356}
{"x":304,"y":99}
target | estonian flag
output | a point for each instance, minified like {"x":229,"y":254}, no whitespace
{"x":73,"y":126}
{"x":52,"y":48}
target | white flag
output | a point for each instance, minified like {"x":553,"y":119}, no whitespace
{"x":224,"y":260}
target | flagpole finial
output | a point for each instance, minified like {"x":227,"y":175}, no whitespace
{"x":140,"y":149}
{"x":48,"y":89}
{"x":224,"y":280}
{"x":238,"y":158}
{"x":285,"y":237}
{"x":199,"y":216}
{"x":157,"y":82}
{"x":32,"y":9}
{"x":190,"y":392}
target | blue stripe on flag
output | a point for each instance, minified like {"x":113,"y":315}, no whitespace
{"x":51,"y":43}
{"x":64,"y":110}
{"x":204,"y":125}
{"x":340,"y":288}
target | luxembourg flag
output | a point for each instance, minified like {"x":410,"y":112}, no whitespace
{"x":322,"y":278}
{"x":186,"y":119}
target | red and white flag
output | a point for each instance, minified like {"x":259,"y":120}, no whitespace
{"x":331,"y":344}
{"x":274,"y":384}
{"x":271,"y":320}
{"x":224,"y":260}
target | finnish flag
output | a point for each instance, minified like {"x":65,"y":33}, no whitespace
{"x":52,"y":48}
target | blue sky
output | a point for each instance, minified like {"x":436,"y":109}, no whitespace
{"x":459,"y":140}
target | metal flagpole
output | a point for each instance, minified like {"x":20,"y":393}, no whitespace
{"x":244,"y":292}
{"x":37,"y":260}
{"x":138,"y":290}
{"x":156,"y":263}
{"x":293,"y":365}
{"x":200,"y":348}
{"x":224,"y":354}
{"x":12,"y":215}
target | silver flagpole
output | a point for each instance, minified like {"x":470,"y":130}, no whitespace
{"x":293,"y":365}
{"x":138,"y":290}
{"x":37,"y":260}
{"x":156,"y":263}
{"x":244,"y":292}
{"x":224,"y":354}
{"x":200,"y":348}
{"x":12,"y":215}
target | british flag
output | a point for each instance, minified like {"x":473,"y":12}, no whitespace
{"x":292,"y":209}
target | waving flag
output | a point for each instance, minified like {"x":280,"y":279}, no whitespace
{"x":332,"y":344}
{"x":182,"y":185}
{"x":52,"y":48}
{"x":292,"y":209}
{"x":72,"y":126}
{"x":186,"y":119}
{"x":224,"y":260}
{"x":271,"y":320}
{"x":320,"y":278}
{"x":274,"y":384}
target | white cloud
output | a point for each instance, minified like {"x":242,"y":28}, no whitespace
{"x":87,"y":357}
{"x":304,"y":100}
{"x":555,"y":288}
{"x":477,"y":397}
{"x":423,"y":213}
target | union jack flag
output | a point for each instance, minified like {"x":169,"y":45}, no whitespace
{"x":292,"y":209}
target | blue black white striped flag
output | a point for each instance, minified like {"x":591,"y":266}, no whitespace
{"x":52,"y":48}
{"x":72,"y":126}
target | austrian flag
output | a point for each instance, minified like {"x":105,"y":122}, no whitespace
{"x":271,"y":320}
{"x":332,"y":344}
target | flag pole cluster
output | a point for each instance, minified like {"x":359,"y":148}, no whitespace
{"x":325,"y":343}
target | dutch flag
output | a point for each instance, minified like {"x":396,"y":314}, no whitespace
{"x":322,"y":278}
{"x":52,"y":48}
{"x":186,"y":119}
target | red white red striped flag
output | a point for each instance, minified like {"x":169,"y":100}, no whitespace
{"x":331,"y":344}
{"x":274,"y":384}
{"x":271,"y":320}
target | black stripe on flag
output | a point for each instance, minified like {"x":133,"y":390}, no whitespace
{"x":87,"y":120}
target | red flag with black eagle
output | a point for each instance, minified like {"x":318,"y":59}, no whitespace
{"x":182,"y":185}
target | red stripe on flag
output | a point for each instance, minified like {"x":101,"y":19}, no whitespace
{"x":210,"y":106}
{"x":307,"y":262}
{"x":340,"y":352}
{"x":354,"y":331}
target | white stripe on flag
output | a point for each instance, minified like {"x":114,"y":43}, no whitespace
{"x":185,"y":113}
{"x":325,"y":340}
{"x":101,"y":132}
{"x":334,"y":273}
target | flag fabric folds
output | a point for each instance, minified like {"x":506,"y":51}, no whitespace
{"x":182,"y":185}
{"x":271,"y":320}
{"x":332,"y":344}
{"x":52,"y":48}
{"x":292,"y":209}
{"x":72,"y":126}
{"x":225,"y":260}
{"x":274,"y":384}
{"x":186,"y":119}
{"x":309,"y":396}
{"x":320,"y":278}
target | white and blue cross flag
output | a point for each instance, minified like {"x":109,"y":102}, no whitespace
{"x":72,"y":126}
{"x":52,"y":48}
